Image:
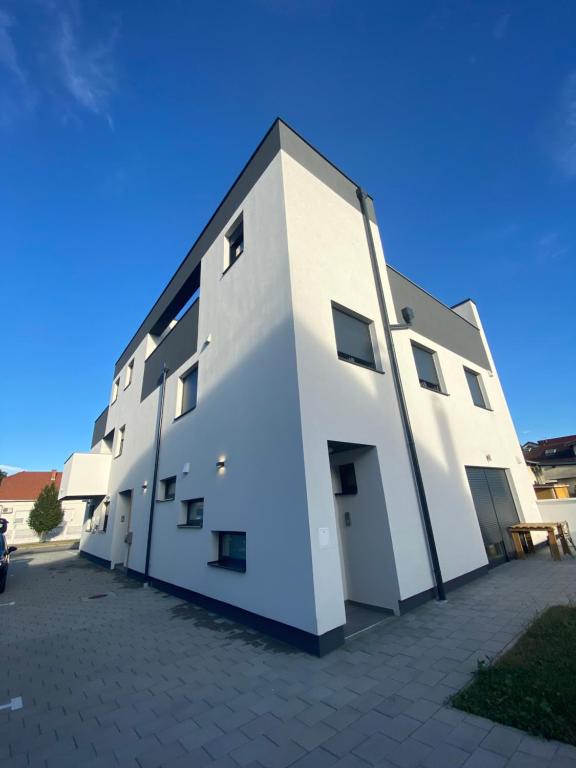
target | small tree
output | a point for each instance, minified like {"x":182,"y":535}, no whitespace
{"x":46,"y":513}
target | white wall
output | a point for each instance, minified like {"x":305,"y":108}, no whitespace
{"x":85,"y":474}
{"x":558,"y":510}
{"x":369,"y":572}
{"x":19,"y":532}
{"x":452,"y":433}
{"x":247,"y":411}
{"x":330,"y":261}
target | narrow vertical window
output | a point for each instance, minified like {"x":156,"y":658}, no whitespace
{"x":476,"y":388}
{"x":120,"y":441}
{"x":193,"y":513}
{"x":168,"y":489}
{"x":353,"y":338}
{"x":348,"y":485}
{"x":235,"y":244}
{"x":427,"y":369}
{"x":189,"y":393}
{"x":129,"y":371}
{"x":115,"y":388}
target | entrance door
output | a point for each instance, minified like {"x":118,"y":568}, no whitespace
{"x":496,"y":510}
{"x":125,"y":514}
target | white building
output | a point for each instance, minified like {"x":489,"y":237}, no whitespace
{"x":18,"y":493}
{"x":268,"y":472}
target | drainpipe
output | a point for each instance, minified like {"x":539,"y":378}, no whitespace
{"x":155,"y":475}
{"x":409,"y":435}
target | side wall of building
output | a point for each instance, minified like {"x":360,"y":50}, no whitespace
{"x":247,"y":414}
{"x":340,"y":401}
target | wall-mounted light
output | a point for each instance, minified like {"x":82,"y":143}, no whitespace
{"x":144,"y":486}
{"x":186,"y":468}
{"x":408,"y":315}
{"x":221,"y":464}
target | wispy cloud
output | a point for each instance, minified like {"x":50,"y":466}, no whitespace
{"x":8,"y":54}
{"x":87,"y":71}
{"x":549,"y":248}
{"x":501,"y":26}
{"x":566,"y":145}
{"x":56,"y":60}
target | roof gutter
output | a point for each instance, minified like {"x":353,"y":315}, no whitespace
{"x":407,"y":427}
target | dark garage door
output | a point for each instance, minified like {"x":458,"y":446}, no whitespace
{"x":495,"y":509}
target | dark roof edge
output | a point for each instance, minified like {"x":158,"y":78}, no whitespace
{"x":451,"y":309}
{"x":464,"y":301}
{"x":226,"y":196}
{"x":277,"y":125}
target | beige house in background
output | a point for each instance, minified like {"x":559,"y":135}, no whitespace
{"x":18,"y":493}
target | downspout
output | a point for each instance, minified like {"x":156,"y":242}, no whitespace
{"x":409,"y":435}
{"x":155,"y":474}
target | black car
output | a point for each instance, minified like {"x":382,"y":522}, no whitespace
{"x":5,"y":552}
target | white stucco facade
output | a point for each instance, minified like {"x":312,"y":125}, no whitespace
{"x":282,"y":412}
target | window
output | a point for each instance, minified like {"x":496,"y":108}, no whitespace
{"x":426,"y":367}
{"x":549,"y":451}
{"x":194,"y":513}
{"x":129,"y":371}
{"x":90,"y":509}
{"x":348,"y":485}
{"x":235,"y":243}
{"x":189,"y":391}
{"x":231,"y":551}
{"x":168,"y":489}
{"x":115,"y":388}
{"x":120,"y":441}
{"x":353,"y":338}
{"x":475,"y":386}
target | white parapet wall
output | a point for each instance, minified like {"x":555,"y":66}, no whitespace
{"x":554,"y":510}
{"x":85,"y":475}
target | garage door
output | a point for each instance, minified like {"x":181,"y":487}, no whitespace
{"x":496,"y":510}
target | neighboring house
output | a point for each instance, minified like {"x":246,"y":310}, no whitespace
{"x":255,"y":455}
{"x":553,"y":461}
{"x":18,"y":493}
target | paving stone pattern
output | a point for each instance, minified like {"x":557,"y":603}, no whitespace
{"x":141,"y":679}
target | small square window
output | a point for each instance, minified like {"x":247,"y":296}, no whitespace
{"x":348,"y":485}
{"x":129,"y":371}
{"x":194,"y":513}
{"x":426,"y":367}
{"x":120,"y":441}
{"x":115,"y":389}
{"x":231,"y":551}
{"x":353,"y":338}
{"x":235,"y":243}
{"x":476,"y":389}
{"x":189,"y":394}
{"x":168,"y":489}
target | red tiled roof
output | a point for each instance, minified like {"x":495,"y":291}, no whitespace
{"x":25,"y":486}
{"x":552,"y":450}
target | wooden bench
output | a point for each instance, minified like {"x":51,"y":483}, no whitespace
{"x":523,"y":532}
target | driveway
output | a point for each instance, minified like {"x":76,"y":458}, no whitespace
{"x":111,"y":673}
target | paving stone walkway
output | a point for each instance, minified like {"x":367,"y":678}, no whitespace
{"x":138,"y":678}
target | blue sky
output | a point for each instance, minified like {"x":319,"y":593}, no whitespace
{"x":122,"y":125}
